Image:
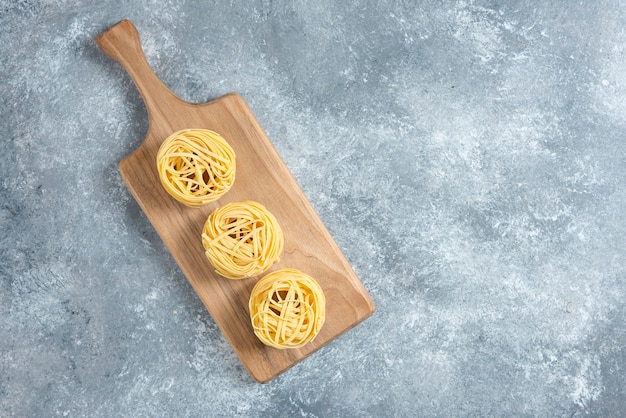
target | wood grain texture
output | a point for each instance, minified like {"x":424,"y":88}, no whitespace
{"x":261,"y":176}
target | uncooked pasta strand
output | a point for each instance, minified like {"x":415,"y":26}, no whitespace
{"x":196,"y":166}
{"x":242,"y":239}
{"x":287,"y":309}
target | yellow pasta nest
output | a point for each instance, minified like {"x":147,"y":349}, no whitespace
{"x":242,"y":239}
{"x":196,"y":166}
{"x":287,"y":309}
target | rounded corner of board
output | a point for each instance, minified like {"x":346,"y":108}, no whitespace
{"x":123,"y":162}
{"x":262,"y":380}
{"x":125,"y":165}
{"x":259,"y":376}
{"x":233,"y":96}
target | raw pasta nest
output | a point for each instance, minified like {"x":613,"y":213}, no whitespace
{"x":196,"y":166}
{"x":242,"y":239}
{"x":287,"y":309}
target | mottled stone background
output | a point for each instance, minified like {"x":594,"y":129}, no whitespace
{"x":469,"y":158}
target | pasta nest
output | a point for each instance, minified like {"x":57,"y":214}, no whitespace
{"x":196,"y":166}
{"x":242,"y":239}
{"x":287,"y":309}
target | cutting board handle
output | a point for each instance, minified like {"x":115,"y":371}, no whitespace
{"x":121,"y":42}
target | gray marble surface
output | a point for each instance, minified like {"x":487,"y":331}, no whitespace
{"x":468,"y":157}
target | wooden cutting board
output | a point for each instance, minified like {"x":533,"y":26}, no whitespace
{"x":261,"y":176}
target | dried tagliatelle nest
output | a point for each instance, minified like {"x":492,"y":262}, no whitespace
{"x":242,"y":239}
{"x":196,"y":166}
{"x":287,"y":308}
